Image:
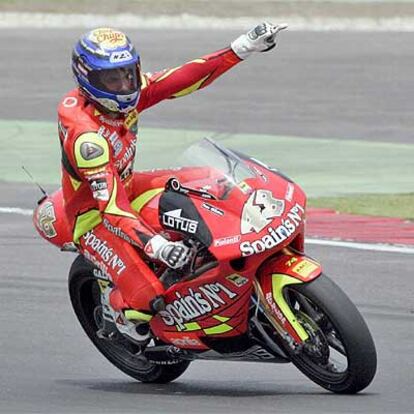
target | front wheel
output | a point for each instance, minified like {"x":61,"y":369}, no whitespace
{"x":340,"y":354}
{"x":85,"y":297}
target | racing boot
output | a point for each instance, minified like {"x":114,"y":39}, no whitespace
{"x":108,"y":329}
{"x":130,"y":323}
{"x":134,"y":325}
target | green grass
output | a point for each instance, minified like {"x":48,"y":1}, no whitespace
{"x":388,"y":205}
{"x":358,"y":177}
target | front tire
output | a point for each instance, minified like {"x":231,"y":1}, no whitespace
{"x":85,"y":297}
{"x":336,"y":330}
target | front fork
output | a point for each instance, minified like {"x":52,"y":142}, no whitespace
{"x":289,"y":268}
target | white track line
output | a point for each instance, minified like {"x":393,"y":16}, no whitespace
{"x":389,"y":248}
{"x":16,"y":210}
{"x":22,"y":20}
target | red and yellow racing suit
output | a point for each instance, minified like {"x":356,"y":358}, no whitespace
{"x":99,"y":185}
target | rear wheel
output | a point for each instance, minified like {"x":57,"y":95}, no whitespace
{"x":340,"y":354}
{"x":85,"y":297}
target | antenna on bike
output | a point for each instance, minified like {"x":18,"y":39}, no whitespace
{"x":37,"y":184}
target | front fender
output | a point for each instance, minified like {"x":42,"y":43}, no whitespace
{"x":295,"y":265}
{"x":279,"y":272}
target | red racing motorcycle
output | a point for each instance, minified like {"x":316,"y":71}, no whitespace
{"x":250,"y":293}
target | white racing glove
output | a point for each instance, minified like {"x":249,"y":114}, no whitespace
{"x":173,"y":254}
{"x":260,"y":39}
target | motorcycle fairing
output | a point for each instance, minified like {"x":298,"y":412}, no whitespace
{"x":214,"y":305}
{"x":177,"y":212}
{"x":279,"y":272}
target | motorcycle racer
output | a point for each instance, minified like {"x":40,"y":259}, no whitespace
{"x":98,"y":124}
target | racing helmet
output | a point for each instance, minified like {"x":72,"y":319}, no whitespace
{"x":106,"y":68}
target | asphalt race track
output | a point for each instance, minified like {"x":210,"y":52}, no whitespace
{"x":336,"y":85}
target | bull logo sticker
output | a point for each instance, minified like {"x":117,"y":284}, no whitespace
{"x":260,"y":210}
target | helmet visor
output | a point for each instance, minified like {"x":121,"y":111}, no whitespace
{"x":121,"y":81}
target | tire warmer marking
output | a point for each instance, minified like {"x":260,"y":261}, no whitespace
{"x":279,"y":281}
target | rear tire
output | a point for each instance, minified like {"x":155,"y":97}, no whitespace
{"x":85,"y":297}
{"x":335,"y":326}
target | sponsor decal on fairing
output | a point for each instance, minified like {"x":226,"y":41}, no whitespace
{"x":276,"y":235}
{"x":260,"y":210}
{"x":289,"y":192}
{"x":276,"y":311}
{"x":185,"y":341}
{"x":225,"y":241}
{"x":305,"y":268}
{"x":244,"y":187}
{"x":213,"y":209}
{"x":237,"y":279}
{"x":258,"y":172}
{"x":198,"y":302}
{"x":174,"y":220}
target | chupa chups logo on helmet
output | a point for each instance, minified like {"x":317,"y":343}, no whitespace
{"x":259,"y":211}
{"x":276,"y":235}
{"x":174,"y":220}
{"x":108,"y":38}
{"x":196,"y":303}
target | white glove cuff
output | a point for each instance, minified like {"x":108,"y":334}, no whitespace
{"x":242,"y":47}
{"x":154,"y":246}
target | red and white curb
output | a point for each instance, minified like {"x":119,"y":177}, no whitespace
{"x":387,"y":248}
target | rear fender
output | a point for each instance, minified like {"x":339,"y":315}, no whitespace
{"x":281,"y":271}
